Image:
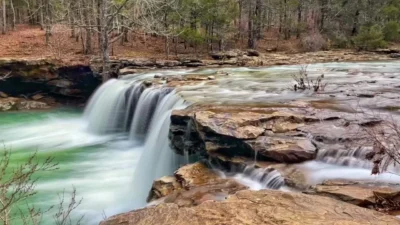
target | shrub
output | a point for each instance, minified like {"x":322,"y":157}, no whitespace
{"x":369,"y":38}
{"x":391,"y":31}
{"x":313,"y":42}
{"x":304,"y":82}
{"x":340,"y":41}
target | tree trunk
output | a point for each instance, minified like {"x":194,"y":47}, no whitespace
{"x":251,"y":41}
{"x":13,"y":15}
{"x":88,"y":29}
{"x":299,"y":16}
{"x":104,"y":40}
{"x":48,"y":26}
{"x":4,"y":19}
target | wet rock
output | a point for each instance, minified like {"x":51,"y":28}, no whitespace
{"x":255,"y":207}
{"x":284,"y":149}
{"x":8,"y":104}
{"x":293,"y":177}
{"x":163,"y":187}
{"x":217,"y":190}
{"x":191,"y":185}
{"x":211,"y":77}
{"x":37,"y":97}
{"x":29,"y":105}
{"x":252,"y":52}
{"x":127,"y":71}
{"x":359,"y":193}
{"x":47,"y":76}
{"x":3,"y":95}
{"x":224,"y":55}
{"x":195,"y":174}
{"x":395,"y":55}
{"x":245,"y":132}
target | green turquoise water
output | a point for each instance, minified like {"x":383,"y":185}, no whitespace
{"x":99,"y":167}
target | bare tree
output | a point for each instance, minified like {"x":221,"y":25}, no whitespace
{"x":17,"y":185}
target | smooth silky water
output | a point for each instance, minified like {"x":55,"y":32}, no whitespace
{"x":113,"y":150}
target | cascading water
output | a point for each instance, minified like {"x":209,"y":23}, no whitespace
{"x":251,"y":176}
{"x":356,"y":157}
{"x":148,"y":112}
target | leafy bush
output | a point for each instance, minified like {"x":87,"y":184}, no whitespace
{"x":391,"y":31}
{"x":340,"y":41}
{"x":370,"y":38}
{"x":313,"y":42}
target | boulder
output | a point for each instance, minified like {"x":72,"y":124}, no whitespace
{"x":195,"y":174}
{"x":163,"y":187}
{"x":284,"y":149}
{"x":257,"y":208}
{"x":191,"y":185}
{"x":127,"y":71}
{"x":224,"y":55}
{"x":8,"y":104}
{"x":37,"y":97}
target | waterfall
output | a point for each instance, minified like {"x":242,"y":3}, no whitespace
{"x":143,"y":114}
{"x":157,"y":159}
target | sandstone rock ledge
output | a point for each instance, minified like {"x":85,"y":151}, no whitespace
{"x":258,"y":208}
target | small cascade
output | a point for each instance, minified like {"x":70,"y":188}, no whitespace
{"x":251,"y":176}
{"x":260,"y":178}
{"x":343,"y":157}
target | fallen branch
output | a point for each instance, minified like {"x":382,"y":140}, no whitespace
{"x":4,"y":77}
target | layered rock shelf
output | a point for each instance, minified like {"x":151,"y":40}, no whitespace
{"x":257,"y":207}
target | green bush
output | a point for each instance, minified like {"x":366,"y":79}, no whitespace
{"x":391,"y":31}
{"x":370,"y":38}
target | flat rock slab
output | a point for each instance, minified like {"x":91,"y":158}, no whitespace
{"x":361,"y":194}
{"x":257,"y":208}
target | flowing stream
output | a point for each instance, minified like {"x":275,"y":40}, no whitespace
{"x":112,"y":152}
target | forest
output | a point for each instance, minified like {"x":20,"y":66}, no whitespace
{"x":202,"y":26}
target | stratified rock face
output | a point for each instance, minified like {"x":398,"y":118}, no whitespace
{"x":257,"y":208}
{"x":29,"y":77}
{"x":283,"y":134}
{"x":268,"y":133}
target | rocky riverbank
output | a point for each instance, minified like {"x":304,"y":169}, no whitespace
{"x":258,"y":129}
{"x":45,"y":82}
{"x":75,"y":83}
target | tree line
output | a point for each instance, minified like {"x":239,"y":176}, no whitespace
{"x":212,"y":24}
